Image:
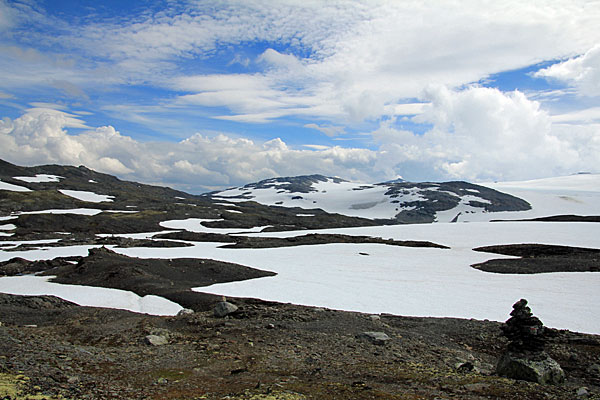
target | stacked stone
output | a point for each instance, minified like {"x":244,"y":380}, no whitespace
{"x":524,"y":332}
{"x":525,"y":357}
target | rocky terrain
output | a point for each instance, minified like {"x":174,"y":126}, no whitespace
{"x":540,"y":258}
{"x":54,"y":349}
{"x":50,"y":348}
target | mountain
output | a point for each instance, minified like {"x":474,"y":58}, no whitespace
{"x":43,"y":200}
{"x":83,"y":201}
{"x":396,"y":201}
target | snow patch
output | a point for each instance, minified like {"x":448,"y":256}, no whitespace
{"x":87,"y":196}
{"x":195,"y":225}
{"x":39,"y":178}
{"x":88,"y":295}
{"x":13,"y":188}
{"x":77,"y":211}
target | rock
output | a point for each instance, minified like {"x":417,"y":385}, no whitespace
{"x":594,"y":369}
{"x":378,"y":338}
{"x":541,"y":369}
{"x":374,"y":318}
{"x":155,"y":340}
{"x":479,"y":387}
{"x":224,"y":308}
{"x":185,"y":311}
{"x":583,"y":392}
{"x":162,"y":381}
{"x":466,"y":367}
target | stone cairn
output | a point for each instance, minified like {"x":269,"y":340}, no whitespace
{"x":525,"y":333}
{"x":525,"y":358}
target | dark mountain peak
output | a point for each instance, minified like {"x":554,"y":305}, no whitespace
{"x":294,"y":184}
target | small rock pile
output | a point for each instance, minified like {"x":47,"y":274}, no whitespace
{"x":525,"y":358}
{"x":525,"y":332}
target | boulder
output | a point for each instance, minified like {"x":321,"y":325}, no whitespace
{"x":583,"y":392}
{"x":155,"y":340}
{"x":594,"y":369}
{"x":375,"y":337}
{"x":224,"y":308}
{"x":540,"y":369}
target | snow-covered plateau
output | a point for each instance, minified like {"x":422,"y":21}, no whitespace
{"x":574,"y":194}
{"x":377,"y":278}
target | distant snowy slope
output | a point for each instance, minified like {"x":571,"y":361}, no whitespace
{"x":329,"y":194}
{"x":404,"y":202}
{"x":566,"y":195}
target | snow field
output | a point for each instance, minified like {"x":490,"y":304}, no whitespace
{"x":392,"y":279}
{"x":400,"y":280}
{"x":575,"y":194}
{"x":415,"y":281}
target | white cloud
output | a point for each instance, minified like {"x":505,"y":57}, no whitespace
{"x":276,"y":59}
{"x":192,"y":164}
{"x":477,"y":134}
{"x":587,"y":115}
{"x":329,"y":130}
{"x":7,"y":16}
{"x":480,"y":134}
{"x":582,"y":72}
{"x":345,"y":61}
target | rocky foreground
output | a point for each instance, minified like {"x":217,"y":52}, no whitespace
{"x":51,"y":349}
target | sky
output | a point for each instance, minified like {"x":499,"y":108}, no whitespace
{"x":204,"y":95}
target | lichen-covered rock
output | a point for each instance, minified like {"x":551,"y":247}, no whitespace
{"x":375,"y":337}
{"x":544,"y":370}
{"x":155,"y":340}
{"x":224,"y":308}
{"x":185,"y":311}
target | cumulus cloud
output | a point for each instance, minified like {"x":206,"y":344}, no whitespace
{"x":476,"y":134}
{"x":193,"y":164}
{"x":481,"y":134}
{"x":582,"y":72}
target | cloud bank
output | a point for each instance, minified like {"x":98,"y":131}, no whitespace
{"x":476,"y":134}
{"x":197,"y":164}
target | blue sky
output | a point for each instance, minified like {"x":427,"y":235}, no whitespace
{"x":201,"y":95}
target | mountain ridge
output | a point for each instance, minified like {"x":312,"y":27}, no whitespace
{"x":397,"y":201}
